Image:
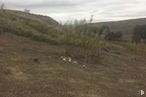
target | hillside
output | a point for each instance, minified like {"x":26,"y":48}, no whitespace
{"x":22,"y":76}
{"x":33,"y":64}
{"x":37,"y":27}
{"x":126,"y":26}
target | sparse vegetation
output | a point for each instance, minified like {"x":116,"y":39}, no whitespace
{"x":29,"y":28}
{"x":96,"y":64}
{"x":136,"y":48}
{"x":84,"y":36}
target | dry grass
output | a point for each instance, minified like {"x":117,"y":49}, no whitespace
{"x":118,"y":75}
{"x":31,"y":68}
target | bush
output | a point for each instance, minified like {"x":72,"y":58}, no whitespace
{"x":105,"y":33}
{"x":113,"y":36}
{"x":139,"y":33}
{"x":88,"y":47}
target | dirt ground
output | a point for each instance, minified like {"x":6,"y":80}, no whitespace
{"x":34,"y":69}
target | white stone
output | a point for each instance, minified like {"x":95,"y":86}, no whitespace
{"x":75,"y":62}
{"x":69,"y":59}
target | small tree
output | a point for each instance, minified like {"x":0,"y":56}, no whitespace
{"x":91,"y":18}
{"x":26,"y":10}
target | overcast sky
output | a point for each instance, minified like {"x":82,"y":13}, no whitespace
{"x":66,"y":10}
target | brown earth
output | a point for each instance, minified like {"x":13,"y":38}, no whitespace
{"x":35,"y":69}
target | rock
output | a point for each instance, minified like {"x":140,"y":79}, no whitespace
{"x":75,"y":62}
{"x":69,"y":59}
{"x":84,"y":66}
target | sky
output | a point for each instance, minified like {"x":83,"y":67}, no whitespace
{"x":69,"y":10}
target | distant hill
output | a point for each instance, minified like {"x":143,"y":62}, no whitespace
{"x":38,"y":27}
{"x":126,"y":26}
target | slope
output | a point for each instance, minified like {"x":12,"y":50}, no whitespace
{"x":37,"y":27}
{"x":30,"y":68}
{"x":35,"y":69}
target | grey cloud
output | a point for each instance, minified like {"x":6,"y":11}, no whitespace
{"x":48,"y":3}
{"x":71,"y":9}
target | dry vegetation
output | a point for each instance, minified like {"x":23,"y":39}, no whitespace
{"x":30,"y":68}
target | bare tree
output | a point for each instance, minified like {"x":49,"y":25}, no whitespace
{"x":2,"y":6}
{"x":26,"y":10}
{"x":91,"y":18}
